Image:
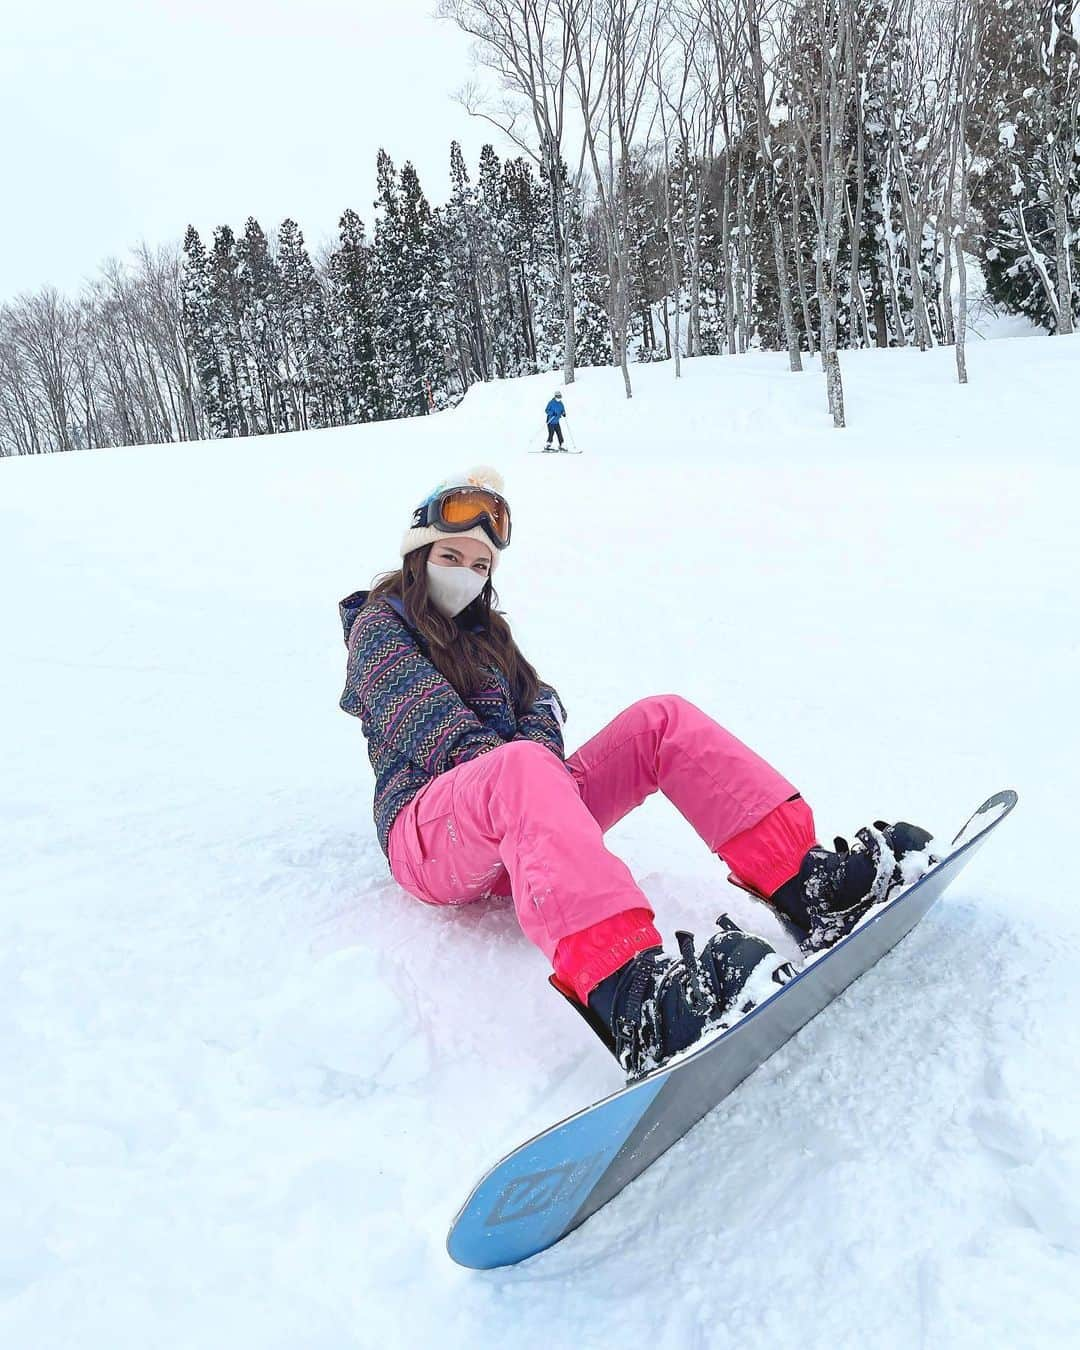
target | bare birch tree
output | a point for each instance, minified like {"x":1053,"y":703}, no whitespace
{"x":613,"y":44}
{"x":819,"y":118}
{"x":966,"y":32}
{"x":664,"y":79}
{"x":754,"y":12}
{"x":526,"y":43}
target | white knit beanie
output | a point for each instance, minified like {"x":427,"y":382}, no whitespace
{"x":482,"y":477}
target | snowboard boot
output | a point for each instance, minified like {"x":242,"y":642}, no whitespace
{"x":739,"y":970}
{"x":905,"y":840}
{"x":646,"y":1011}
{"x":657,"y":1005}
{"x":832,"y":891}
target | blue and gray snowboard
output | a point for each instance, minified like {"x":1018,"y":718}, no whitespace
{"x":553,"y":1183}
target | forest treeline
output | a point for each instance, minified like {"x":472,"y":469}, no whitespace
{"x":687,"y":178}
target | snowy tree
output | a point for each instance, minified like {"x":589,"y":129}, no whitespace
{"x":526,"y":241}
{"x":413,"y":322}
{"x":591,"y":288}
{"x":525,"y":43}
{"x":261,"y":324}
{"x":305,"y":327}
{"x":201,"y":327}
{"x":1026,"y":184}
{"x":353,"y":323}
{"x":465,"y":239}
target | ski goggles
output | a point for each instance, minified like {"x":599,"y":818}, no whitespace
{"x":457,"y":509}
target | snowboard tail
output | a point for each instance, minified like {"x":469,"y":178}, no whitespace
{"x":550,"y":1185}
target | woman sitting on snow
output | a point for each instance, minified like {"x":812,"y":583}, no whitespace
{"x":474,"y":798}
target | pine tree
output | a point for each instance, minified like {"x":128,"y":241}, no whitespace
{"x":649,"y":256}
{"x":302,"y":307}
{"x":226,"y":312}
{"x":353,"y":323}
{"x":196,"y":317}
{"x":529,"y":244}
{"x":413,"y":323}
{"x":462,"y":243}
{"x":592,"y":327}
{"x":501,"y":261}
{"x":260,"y":280}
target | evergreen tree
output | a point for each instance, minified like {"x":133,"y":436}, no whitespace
{"x":302,"y":309}
{"x":502,"y":208}
{"x":591,"y":288}
{"x":413,"y":324}
{"x":260,"y":281}
{"x":463,"y":244}
{"x":528,"y":236}
{"x":649,"y":257}
{"x":196,"y":317}
{"x":353,"y":325}
{"x":226,"y":314}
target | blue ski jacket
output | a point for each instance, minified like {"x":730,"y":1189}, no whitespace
{"x":554,"y":411}
{"x":415,"y":723}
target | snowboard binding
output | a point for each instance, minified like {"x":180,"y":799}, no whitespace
{"x":656,"y":1005}
{"x":832,"y":890}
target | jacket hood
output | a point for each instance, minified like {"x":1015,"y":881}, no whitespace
{"x":351,"y":606}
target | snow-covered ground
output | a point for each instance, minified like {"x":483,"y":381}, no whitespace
{"x":247,"y":1081}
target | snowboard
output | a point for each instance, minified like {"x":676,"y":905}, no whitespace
{"x":550,"y":1185}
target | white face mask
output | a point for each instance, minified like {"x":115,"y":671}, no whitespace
{"x":453,"y":589}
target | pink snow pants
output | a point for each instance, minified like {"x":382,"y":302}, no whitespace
{"x":518,"y":821}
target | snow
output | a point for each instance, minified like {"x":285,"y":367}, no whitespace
{"x":248,"y":1081}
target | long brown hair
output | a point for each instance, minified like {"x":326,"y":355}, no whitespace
{"x":460,"y":654}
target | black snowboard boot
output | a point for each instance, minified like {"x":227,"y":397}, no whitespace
{"x":833,"y":890}
{"x":646,"y":1011}
{"x":904,"y":839}
{"x":656,"y":1005}
{"x":739,"y":970}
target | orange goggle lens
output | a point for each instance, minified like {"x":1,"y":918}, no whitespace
{"x":468,"y":506}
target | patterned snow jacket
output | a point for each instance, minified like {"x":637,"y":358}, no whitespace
{"x":416,"y":724}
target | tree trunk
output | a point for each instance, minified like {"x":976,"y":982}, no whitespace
{"x":947,"y":315}
{"x":800,"y":271}
{"x":725,"y":245}
{"x":694,"y":333}
{"x":961,"y":327}
{"x":877,"y":301}
{"x":1061,"y":243}
{"x":740,"y":256}
{"x":829,"y":355}
{"x":899,"y":332}
{"x":569,"y":335}
{"x":783,"y":279}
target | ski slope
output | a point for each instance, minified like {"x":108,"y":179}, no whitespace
{"x":247,"y":1080}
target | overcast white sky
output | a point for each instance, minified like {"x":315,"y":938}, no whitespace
{"x":126,"y":121}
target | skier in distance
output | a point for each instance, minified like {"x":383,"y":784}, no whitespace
{"x":475,"y":797}
{"x":554,"y":412}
